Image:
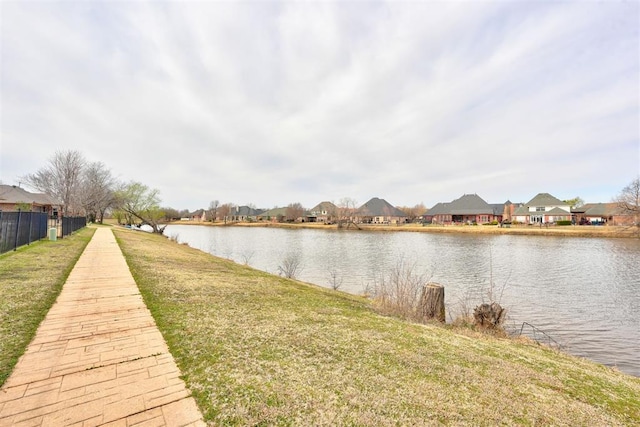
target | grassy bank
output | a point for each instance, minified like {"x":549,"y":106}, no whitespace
{"x":256,"y":349}
{"x":30,"y":280}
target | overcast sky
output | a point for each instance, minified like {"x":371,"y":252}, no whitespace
{"x":270,"y":103}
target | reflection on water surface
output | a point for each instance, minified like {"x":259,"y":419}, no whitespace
{"x":583,"y":292}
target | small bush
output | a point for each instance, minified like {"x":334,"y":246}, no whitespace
{"x":398,"y":292}
{"x":291,"y":265}
{"x":335,"y":279}
{"x":563,"y":222}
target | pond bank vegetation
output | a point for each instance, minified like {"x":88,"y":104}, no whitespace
{"x":256,"y":348}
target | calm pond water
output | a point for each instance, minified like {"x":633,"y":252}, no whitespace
{"x":584,"y":293}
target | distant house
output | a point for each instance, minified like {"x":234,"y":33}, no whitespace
{"x":323,"y":212}
{"x":199,"y":215}
{"x":272,"y":215}
{"x":543,"y":209}
{"x":379,"y":211}
{"x":470,"y":208}
{"x":244,"y":213}
{"x":13,"y":198}
{"x":601,"y":213}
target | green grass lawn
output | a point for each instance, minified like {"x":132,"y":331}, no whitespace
{"x":257,"y":349}
{"x":30,"y":280}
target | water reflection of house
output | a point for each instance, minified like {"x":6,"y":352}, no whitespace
{"x":13,"y":198}
{"x":379,"y":211}
{"x":543,"y":209}
{"x":470,"y":208}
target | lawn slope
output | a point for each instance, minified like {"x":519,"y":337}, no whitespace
{"x":31,"y":279}
{"x":257,"y":349}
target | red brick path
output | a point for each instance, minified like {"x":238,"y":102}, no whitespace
{"x":98,"y":358}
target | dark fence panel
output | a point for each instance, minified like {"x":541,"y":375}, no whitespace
{"x":72,"y":223}
{"x":21,"y":228}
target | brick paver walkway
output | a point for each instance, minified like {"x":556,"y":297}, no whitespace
{"x":98,"y":357}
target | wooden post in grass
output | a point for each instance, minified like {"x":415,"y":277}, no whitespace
{"x":432,"y":302}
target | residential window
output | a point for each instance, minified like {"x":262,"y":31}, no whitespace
{"x":540,"y":209}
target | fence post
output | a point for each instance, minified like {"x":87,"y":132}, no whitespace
{"x":15,"y":243}
{"x":30,"y":227}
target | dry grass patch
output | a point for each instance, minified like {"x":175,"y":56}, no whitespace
{"x":30,"y":280}
{"x":257,"y":349}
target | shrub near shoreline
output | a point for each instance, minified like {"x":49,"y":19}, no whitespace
{"x":260,"y":349}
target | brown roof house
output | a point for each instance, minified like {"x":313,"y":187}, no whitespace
{"x":273,"y":215}
{"x":379,"y":211}
{"x":244,"y":214}
{"x":13,"y":198}
{"x":470,"y":208}
{"x":323,"y":212}
{"x":601,"y":213}
{"x":543,"y":209}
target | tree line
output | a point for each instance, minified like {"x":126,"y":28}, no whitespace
{"x":89,"y":189}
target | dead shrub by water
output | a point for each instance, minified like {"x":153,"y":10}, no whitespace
{"x":335,"y":278}
{"x":290,"y":266}
{"x":398,"y":292}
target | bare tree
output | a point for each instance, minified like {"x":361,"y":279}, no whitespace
{"x":61,"y":178}
{"x":213,"y":210}
{"x":628,"y":201}
{"x":225,"y":211}
{"x":97,"y":191}
{"x":294,"y":211}
{"x":345,"y":212}
{"x":142,"y":203}
{"x":413,"y":212}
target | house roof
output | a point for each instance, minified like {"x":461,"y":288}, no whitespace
{"x":600,"y":209}
{"x":546,"y":199}
{"x":323,"y":207}
{"x":468,"y":204}
{"x":521,"y":210}
{"x":438,"y":209}
{"x":274,"y":212}
{"x":14,"y":194}
{"x":245,"y":211}
{"x":498,"y":208}
{"x":379,"y":207}
{"x":557,"y":211}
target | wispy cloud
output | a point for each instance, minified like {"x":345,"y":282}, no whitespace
{"x":273,"y":103}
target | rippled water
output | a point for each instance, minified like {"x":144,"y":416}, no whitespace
{"x":584,"y":293}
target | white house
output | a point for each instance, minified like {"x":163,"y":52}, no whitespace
{"x":543,"y":209}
